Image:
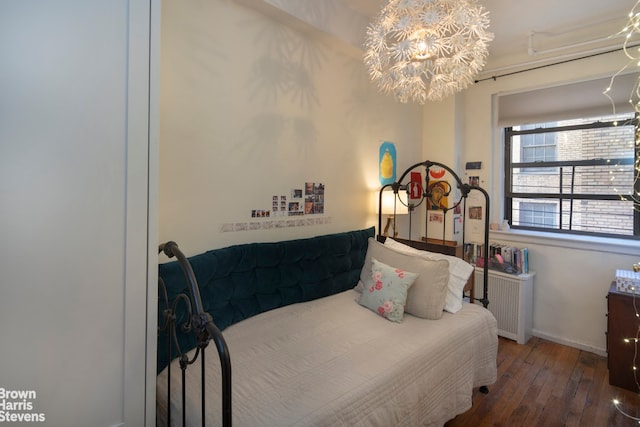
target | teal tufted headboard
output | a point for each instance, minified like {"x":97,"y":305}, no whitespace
{"x":241,"y":281}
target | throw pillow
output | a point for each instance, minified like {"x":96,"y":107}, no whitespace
{"x":387,"y":293}
{"x":459,"y":272}
{"x":426,"y":297}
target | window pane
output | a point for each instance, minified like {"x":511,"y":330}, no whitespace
{"x":550,"y":153}
{"x":540,"y":213}
{"x":527,"y":140}
{"x":599,"y":180}
{"x":594,"y":216}
{"x":535,"y":180}
{"x":598,"y":216}
{"x":581,"y":144}
{"x":613,"y":179}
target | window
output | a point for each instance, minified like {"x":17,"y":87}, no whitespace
{"x":538,"y":214}
{"x":538,"y":147}
{"x":572,"y":176}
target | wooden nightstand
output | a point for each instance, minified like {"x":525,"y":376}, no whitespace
{"x":622,"y":323}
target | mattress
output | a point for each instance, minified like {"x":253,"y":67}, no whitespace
{"x":332,"y":362}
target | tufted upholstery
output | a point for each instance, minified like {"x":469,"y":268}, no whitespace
{"x":241,"y":281}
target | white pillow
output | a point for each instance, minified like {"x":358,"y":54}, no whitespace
{"x":459,"y":272}
{"x":426,"y":297}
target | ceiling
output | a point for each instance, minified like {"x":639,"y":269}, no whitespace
{"x":563,"y":28}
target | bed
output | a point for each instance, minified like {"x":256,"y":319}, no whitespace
{"x":312,"y":353}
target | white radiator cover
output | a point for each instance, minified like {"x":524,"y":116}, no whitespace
{"x":510,"y":301}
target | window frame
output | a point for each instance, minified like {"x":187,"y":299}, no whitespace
{"x":510,"y":195}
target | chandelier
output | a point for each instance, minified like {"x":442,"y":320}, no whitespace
{"x":426,"y":49}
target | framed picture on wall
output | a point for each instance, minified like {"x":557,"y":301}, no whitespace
{"x":475,"y":212}
{"x":437,"y":217}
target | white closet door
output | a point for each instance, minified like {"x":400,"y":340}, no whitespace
{"x":74,"y":197}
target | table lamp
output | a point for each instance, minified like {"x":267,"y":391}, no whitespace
{"x":392,"y":205}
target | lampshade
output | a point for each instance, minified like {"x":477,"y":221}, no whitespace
{"x":427,"y":49}
{"x":388,"y":199}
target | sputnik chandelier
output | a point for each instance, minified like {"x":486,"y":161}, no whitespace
{"x":423,"y":50}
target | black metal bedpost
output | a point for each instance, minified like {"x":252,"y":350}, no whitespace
{"x":203,"y":388}
{"x":205,"y":330}
{"x":183,"y":367}
{"x":485,"y":255}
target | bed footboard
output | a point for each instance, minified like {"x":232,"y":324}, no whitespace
{"x":200,"y":323}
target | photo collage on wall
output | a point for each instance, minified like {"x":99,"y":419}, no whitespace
{"x":300,"y":201}
{"x":313,"y":198}
{"x":300,"y":208}
{"x":294,"y":206}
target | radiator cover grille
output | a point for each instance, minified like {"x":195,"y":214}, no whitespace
{"x":510,"y":302}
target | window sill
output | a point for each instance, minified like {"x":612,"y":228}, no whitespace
{"x":587,"y":243}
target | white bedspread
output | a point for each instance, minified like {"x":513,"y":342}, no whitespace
{"x":332,"y":362}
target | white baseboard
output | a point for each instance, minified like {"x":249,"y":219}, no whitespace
{"x":563,"y":341}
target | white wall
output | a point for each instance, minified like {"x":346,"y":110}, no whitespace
{"x":74,"y":147}
{"x":251,"y":107}
{"x":572,"y":275}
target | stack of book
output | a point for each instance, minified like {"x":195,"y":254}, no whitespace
{"x":507,"y":259}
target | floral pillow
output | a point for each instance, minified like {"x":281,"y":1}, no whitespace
{"x":387,"y":294}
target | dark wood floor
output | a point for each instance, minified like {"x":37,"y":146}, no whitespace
{"x":547,"y":384}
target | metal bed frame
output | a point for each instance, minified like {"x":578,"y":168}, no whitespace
{"x":402,"y":184}
{"x":200,"y":323}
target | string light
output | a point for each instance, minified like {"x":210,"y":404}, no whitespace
{"x":631,"y":33}
{"x":632,"y":30}
{"x":616,"y":403}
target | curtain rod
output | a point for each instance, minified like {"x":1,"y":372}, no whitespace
{"x":495,"y":77}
